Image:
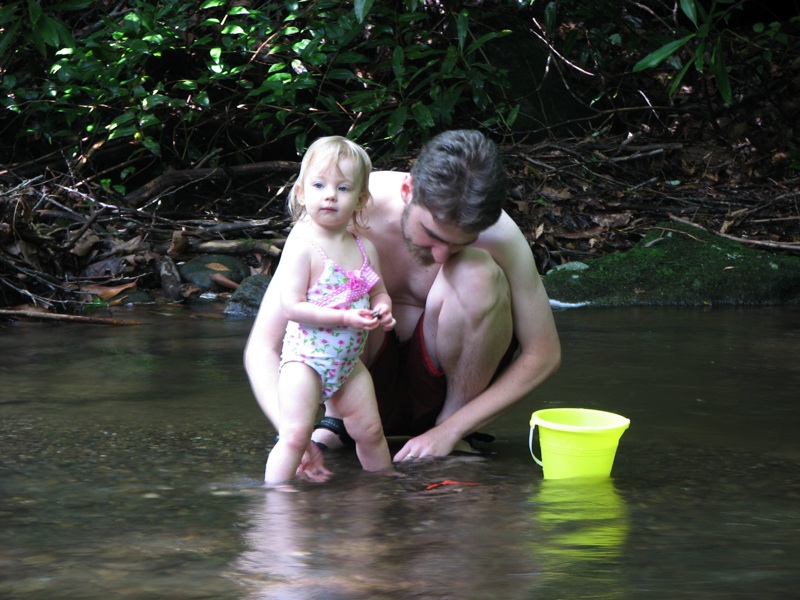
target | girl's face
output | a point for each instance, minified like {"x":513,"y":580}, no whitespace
{"x":330,"y":194}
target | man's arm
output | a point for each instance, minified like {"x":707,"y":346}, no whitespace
{"x":263,"y":351}
{"x":534,"y":328}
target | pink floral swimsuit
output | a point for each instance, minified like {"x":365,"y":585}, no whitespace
{"x":333,"y":352}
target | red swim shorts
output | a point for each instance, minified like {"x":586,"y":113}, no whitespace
{"x":410,"y":389}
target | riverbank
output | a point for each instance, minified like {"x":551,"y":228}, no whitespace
{"x":576,"y":201}
{"x":677,"y":264}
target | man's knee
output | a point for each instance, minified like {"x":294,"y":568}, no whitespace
{"x":477,"y":284}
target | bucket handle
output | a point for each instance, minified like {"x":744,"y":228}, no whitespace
{"x":530,"y":446}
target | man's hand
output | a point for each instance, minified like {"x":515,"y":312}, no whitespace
{"x":430,"y":444}
{"x":312,"y":466}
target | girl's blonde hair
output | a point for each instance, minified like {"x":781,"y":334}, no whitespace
{"x":328,"y":151}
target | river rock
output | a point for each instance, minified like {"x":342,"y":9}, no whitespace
{"x":199,"y":270}
{"x":244,"y":302}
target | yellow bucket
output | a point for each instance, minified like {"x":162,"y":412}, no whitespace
{"x":576,"y":442}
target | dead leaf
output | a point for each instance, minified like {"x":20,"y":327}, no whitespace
{"x":105,"y":292}
{"x":555,"y":193}
{"x":613,"y":220}
{"x":127,"y":246}
{"x":216,"y":267}
{"x":112,"y":266}
{"x":84,"y":245}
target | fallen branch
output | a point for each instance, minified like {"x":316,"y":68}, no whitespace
{"x":235,"y":247}
{"x":790,"y":246}
{"x":172,"y":178}
{"x":35,"y":314}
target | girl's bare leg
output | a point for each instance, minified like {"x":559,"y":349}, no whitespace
{"x":299,"y":389}
{"x":356,"y":403}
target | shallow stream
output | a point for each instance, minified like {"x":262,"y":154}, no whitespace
{"x":131,"y":461}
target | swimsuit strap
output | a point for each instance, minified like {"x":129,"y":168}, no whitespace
{"x":361,"y":247}
{"x":325,"y":257}
{"x":355,"y":284}
{"x":317,"y":247}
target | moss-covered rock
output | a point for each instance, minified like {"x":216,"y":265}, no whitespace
{"x":680,"y":265}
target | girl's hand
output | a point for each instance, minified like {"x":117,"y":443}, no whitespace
{"x":383,"y":313}
{"x":361,"y":318}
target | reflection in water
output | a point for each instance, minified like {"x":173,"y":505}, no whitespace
{"x":581,"y":527}
{"x":299,"y":548}
{"x":455,"y":541}
{"x":381,"y":538}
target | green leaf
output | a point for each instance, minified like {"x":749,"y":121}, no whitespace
{"x":721,"y":73}
{"x":359,"y":128}
{"x":690,"y":10}
{"x":422,"y":115}
{"x":362,"y":8}
{"x":398,"y":59}
{"x":676,"y":82}
{"x":150,"y":102}
{"x":481,"y":41}
{"x":70,"y":5}
{"x":148,"y":120}
{"x":550,"y":16}
{"x":512,"y":116}
{"x":34,"y":12}
{"x":122,"y":132}
{"x":152,"y":145}
{"x":699,"y":57}
{"x":233,"y":29}
{"x":462,"y":26}
{"x":8,"y":37}
{"x":397,"y":120}
{"x":48,"y":31}
{"x":656,"y":57}
{"x":340,"y":74}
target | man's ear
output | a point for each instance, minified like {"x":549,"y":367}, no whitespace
{"x":407,"y":189}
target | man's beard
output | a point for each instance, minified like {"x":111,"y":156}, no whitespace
{"x":420,"y":254}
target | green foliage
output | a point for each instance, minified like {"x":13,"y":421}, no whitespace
{"x":180,"y":78}
{"x":708,"y":39}
{"x":29,"y":24}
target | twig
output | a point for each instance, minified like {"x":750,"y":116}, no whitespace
{"x":792,"y":247}
{"x":35,"y":314}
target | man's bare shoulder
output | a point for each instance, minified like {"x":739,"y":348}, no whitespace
{"x":385,"y":185}
{"x":504,"y":236}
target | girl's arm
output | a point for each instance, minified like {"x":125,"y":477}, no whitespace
{"x":379,"y":299}
{"x":297,"y":261}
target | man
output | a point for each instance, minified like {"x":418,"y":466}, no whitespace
{"x":474,"y":334}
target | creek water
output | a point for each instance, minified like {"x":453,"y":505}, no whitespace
{"x":131,"y":461}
